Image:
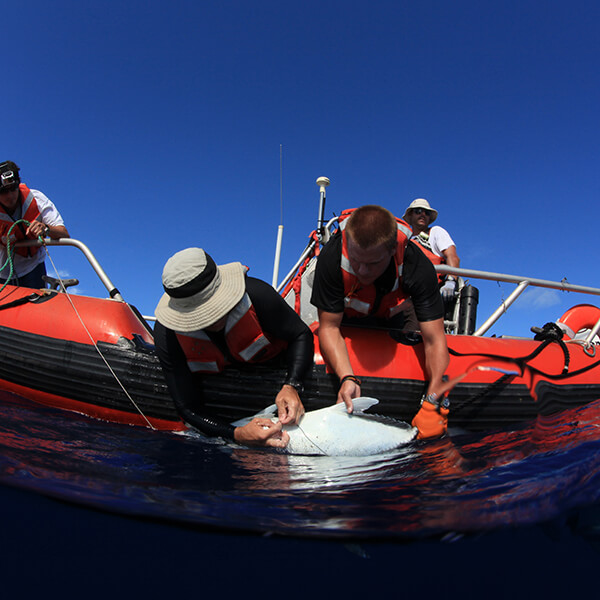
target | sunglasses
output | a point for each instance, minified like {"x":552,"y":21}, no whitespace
{"x":421,"y":211}
{"x":9,"y":188}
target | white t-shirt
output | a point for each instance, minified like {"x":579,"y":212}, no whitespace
{"x":25,"y":264}
{"x":440,"y":240}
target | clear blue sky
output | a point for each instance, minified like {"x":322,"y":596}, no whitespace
{"x":157,"y":126}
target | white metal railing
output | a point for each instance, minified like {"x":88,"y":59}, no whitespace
{"x":108,"y":284}
{"x":521,"y":282}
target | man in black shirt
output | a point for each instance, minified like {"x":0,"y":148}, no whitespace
{"x":368,"y":269}
{"x":213,"y":315}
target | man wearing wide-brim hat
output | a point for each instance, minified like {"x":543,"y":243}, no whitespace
{"x":435,"y":242}
{"x":212,"y":316}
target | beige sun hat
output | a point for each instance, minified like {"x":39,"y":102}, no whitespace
{"x":422,"y":203}
{"x":198,"y":292}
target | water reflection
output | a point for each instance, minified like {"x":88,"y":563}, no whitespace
{"x":464,"y":483}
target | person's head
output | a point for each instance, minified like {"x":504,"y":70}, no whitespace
{"x":198,"y":293}
{"x":419,"y":215}
{"x":372,"y":239}
{"x":9,"y":184}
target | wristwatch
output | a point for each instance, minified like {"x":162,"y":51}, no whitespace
{"x":433,"y":399}
{"x":295,"y":383}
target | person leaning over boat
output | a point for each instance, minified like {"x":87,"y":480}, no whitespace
{"x":18,"y":202}
{"x":368,"y":271}
{"x":210,"y":316}
{"x":435,"y":242}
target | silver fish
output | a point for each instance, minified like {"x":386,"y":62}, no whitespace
{"x":332,"y":431}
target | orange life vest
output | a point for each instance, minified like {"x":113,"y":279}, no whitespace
{"x":245,"y":339}
{"x":430,"y":254}
{"x":29,"y":212}
{"x":359,"y":300}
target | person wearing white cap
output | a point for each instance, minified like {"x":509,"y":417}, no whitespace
{"x":435,"y":242}
{"x":211,"y":316}
{"x":24,"y":214}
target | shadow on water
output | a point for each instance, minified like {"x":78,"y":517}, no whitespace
{"x":511,"y":512}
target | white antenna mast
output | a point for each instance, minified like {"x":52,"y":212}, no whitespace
{"x":280,"y":228}
{"x":322,"y":182}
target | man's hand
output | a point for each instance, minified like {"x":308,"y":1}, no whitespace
{"x":349,"y":389}
{"x":448,"y":290}
{"x":36,"y":229}
{"x":262,"y":432}
{"x":289,"y":405}
{"x":431,"y":421}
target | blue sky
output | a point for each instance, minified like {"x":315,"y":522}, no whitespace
{"x":155,"y":127}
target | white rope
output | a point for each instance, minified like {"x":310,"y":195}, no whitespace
{"x":64,"y":289}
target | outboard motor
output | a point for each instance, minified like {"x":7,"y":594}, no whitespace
{"x":467,"y":315}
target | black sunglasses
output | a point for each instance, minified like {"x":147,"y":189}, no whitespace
{"x":9,"y":188}
{"x":419,"y":211}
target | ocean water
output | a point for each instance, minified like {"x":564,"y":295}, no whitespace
{"x":93,"y":508}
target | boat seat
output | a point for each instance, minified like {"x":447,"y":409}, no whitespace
{"x":55,"y":284}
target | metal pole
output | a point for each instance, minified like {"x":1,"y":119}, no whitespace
{"x":322,"y":182}
{"x":280,"y":228}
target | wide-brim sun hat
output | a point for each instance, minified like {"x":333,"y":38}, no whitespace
{"x":422,"y":203}
{"x":198,"y":292}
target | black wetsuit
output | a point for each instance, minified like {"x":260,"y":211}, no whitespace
{"x":276,"y":318}
{"x":419,"y":281}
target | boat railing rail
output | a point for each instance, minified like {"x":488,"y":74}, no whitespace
{"x":322,"y":238}
{"x":521,"y":282}
{"x":106,"y":282}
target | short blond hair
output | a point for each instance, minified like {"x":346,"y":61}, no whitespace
{"x":372,"y":225}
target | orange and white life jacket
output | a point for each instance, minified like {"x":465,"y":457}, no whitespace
{"x":423,"y":242}
{"x":29,"y":212}
{"x":245,"y":339}
{"x":359,"y":300}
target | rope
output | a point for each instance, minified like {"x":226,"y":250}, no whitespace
{"x":312,"y":441}
{"x":486,"y":392}
{"x":96,"y":345}
{"x":9,"y":260}
{"x":10,"y":251}
{"x":521,"y":363}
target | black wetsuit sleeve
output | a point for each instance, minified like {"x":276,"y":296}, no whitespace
{"x":328,"y":286}
{"x":279,"y":320}
{"x":184,"y":386}
{"x":419,"y":280}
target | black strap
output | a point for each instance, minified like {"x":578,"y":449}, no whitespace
{"x":19,"y":301}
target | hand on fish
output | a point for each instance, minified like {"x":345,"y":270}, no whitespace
{"x":289,"y":406}
{"x":262,"y":432}
{"x":330,"y":431}
{"x":348,"y":391}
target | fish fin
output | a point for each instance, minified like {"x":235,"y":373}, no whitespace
{"x":363,"y":403}
{"x":266,"y":413}
{"x":360,"y":404}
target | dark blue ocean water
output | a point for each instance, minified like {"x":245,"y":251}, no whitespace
{"x":94,"y":507}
